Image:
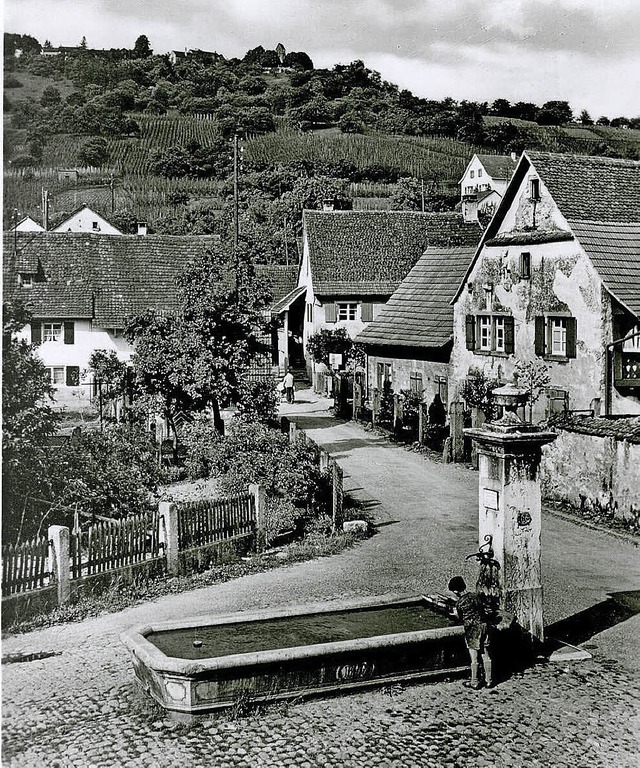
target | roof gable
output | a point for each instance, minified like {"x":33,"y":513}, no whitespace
{"x":370,"y":252}
{"x":420,"y":314}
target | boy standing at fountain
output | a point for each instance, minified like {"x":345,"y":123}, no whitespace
{"x":477,"y":631}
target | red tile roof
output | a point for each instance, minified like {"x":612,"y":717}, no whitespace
{"x":420,"y":314}
{"x":280,"y":279}
{"x":498,"y":166}
{"x":622,"y":428}
{"x":614,"y":249}
{"x":85,"y":275}
{"x":370,"y":252}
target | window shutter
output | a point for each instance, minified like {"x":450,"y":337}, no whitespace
{"x":470,"y":328}
{"x":366,"y":312}
{"x":571,"y":336}
{"x":73,"y":375}
{"x":541,"y":328}
{"x":36,"y":333}
{"x":330,"y":313}
{"x":509,"y":333}
{"x":69,"y":332}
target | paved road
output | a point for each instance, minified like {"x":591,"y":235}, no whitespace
{"x":80,"y":708}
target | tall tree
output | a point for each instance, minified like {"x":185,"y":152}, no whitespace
{"x":142,"y":48}
{"x":28,"y":422}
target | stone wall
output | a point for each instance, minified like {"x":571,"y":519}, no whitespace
{"x":593,"y":473}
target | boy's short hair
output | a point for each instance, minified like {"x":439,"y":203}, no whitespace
{"x":457,"y":584}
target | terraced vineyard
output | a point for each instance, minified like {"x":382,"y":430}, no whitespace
{"x":132,"y":155}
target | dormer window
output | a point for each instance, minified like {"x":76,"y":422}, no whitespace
{"x":25,"y":279}
{"x":534,"y":189}
{"x":95,"y":226}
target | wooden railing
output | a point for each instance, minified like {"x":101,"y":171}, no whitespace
{"x":206,"y":522}
{"x":110,"y":544}
{"x":25,"y":566}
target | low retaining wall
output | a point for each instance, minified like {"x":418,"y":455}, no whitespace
{"x":23,"y":605}
{"x":593,"y":472}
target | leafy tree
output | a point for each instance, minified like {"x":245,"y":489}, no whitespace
{"x":110,"y":375}
{"x":585,"y":118}
{"x":50,"y":97}
{"x":28,"y":422}
{"x":142,"y":48}
{"x":554,"y":113}
{"x":25,"y":43}
{"x":298,"y":60}
{"x":94,"y":152}
{"x":200,"y":356}
{"x":83,"y":43}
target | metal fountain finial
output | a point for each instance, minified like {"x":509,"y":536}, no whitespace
{"x":485,"y":552}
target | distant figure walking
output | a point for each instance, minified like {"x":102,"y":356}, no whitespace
{"x":472,"y":612}
{"x":289,"y":387}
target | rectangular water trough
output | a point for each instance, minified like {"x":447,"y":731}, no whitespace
{"x":209,"y":662}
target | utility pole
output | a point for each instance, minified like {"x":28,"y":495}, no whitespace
{"x":236,"y":223}
{"x":45,"y":209}
{"x":422,"y":188}
{"x":113,"y":198}
{"x":286,"y":244}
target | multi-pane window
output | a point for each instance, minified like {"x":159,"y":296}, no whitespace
{"x":490,"y":334}
{"x":415,"y":382}
{"x":558,"y":336}
{"x":534,"y":189}
{"x":484,"y":328}
{"x":525,"y":265}
{"x":347,"y":310}
{"x":555,"y":336}
{"x":56,"y":374}
{"x":498,"y":334}
{"x":51,"y":331}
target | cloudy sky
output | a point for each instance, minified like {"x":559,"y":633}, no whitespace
{"x":582,"y":51}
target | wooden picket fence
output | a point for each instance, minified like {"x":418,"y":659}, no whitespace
{"x":205,"y":522}
{"x":111,"y":544}
{"x":25,"y":566}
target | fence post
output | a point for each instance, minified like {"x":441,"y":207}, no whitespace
{"x":375,"y":406}
{"x":259,"y":497}
{"x":59,"y":538}
{"x":422,"y":420}
{"x":357,"y":400}
{"x":324,"y":460}
{"x":397,"y":414}
{"x":456,"y":414}
{"x":336,"y":488}
{"x":292,"y":431}
{"x":169,"y":513}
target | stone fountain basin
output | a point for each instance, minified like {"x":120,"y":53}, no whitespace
{"x":207,"y":663}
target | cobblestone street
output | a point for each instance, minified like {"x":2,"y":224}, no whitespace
{"x":81,"y":708}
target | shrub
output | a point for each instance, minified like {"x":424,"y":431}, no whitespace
{"x":200,"y":440}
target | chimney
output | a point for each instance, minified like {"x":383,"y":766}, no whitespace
{"x":469,"y":209}
{"x":142,"y":228}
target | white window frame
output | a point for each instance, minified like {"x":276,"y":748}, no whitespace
{"x":472,"y":175}
{"x":484,"y":333}
{"x":479,"y":172}
{"x":347,"y":311}
{"x":57,"y":372}
{"x":557,"y":336}
{"x":498,"y":334}
{"x":53,"y":332}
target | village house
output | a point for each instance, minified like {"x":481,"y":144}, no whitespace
{"x":27,"y":224}
{"x":483,"y":183}
{"x":555,"y":281}
{"x":353,"y":261}
{"x":80,"y":288}
{"x":409,"y":344}
{"x":85,"y":219}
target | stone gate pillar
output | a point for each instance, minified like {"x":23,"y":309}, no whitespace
{"x":509,"y":454}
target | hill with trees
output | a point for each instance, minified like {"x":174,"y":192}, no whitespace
{"x":152,"y":136}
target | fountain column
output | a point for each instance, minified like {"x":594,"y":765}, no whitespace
{"x":509,"y":507}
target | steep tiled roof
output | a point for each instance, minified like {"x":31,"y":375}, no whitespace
{"x":108,"y":277}
{"x":420,"y":314}
{"x":279,"y":278}
{"x":370,"y":252}
{"x":614,"y":249}
{"x":498,"y":166}
{"x":624,"y":428}
{"x":591,"y":188}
